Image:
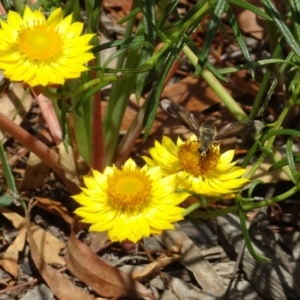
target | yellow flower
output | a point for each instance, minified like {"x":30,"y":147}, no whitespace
{"x":130,"y":202}
{"x":212,"y":175}
{"x":42,"y":52}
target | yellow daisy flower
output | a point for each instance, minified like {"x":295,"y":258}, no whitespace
{"x":130,"y":202}
{"x":212,"y":175}
{"x":37,"y":51}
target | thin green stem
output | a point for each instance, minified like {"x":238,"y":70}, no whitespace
{"x":230,"y":103}
{"x":277,"y":125}
{"x":82,"y":88}
{"x":245,"y":206}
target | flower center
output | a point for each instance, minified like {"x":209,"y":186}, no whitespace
{"x":195,"y":164}
{"x":129,"y":189}
{"x":39,"y":42}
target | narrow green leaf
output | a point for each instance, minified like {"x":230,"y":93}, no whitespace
{"x":295,"y":10}
{"x":291,"y":132}
{"x":192,"y":12}
{"x":130,"y":15}
{"x":118,"y":52}
{"x":154,"y":97}
{"x":202,"y":62}
{"x":250,"y":154}
{"x":137,"y":70}
{"x":264,"y":84}
{"x":273,"y":12}
{"x":5,"y":200}
{"x":283,"y":162}
{"x":93,"y":9}
{"x":259,"y":63}
{"x":212,"y":27}
{"x":253,"y":185}
{"x":290,"y":160}
{"x":10,"y":179}
{"x":170,"y":8}
{"x":240,"y":39}
{"x":275,"y":81}
{"x":257,"y":256}
{"x":87,"y":94}
{"x":131,"y":40}
{"x":148,"y":9}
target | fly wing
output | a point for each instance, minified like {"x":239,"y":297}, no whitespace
{"x":239,"y":128}
{"x":182,"y":115}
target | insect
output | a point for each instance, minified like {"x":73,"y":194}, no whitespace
{"x":207,"y":132}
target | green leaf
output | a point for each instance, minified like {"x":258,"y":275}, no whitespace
{"x":212,"y":27}
{"x":283,"y":162}
{"x":264,"y":84}
{"x":148,"y":9}
{"x":140,"y":40}
{"x":275,"y":81}
{"x":154,"y":97}
{"x":5,"y":200}
{"x":202,"y":62}
{"x":272,"y":11}
{"x":257,"y":256}
{"x":250,"y":154}
{"x":93,"y":9}
{"x":253,"y":186}
{"x":240,"y":39}
{"x":295,"y":10}
{"x":290,"y":160}
{"x":169,"y":9}
{"x":291,"y":132}
{"x":130,"y":15}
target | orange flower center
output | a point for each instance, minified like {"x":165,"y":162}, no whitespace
{"x":195,"y":164}
{"x":129,"y":188}
{"x":39,"y":42}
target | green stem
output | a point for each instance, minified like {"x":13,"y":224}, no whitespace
{"x":245,"y":207}
{"x":82,"y":88}
{"x":230,"y":103}
{"x":277,"y":125}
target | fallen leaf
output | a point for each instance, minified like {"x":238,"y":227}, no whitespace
{"x":35,"y":174}
{"x":66,"y":161}
{"x":54,"y":206}
{"x":61,"y":287}
{"x":49,"y":245}
{"x":192,"y":259}
{"x":249,"y":22}
{"x":10,"y":266}
{"x":151,"y":269}
{"x":15,"y":104}
{"x":103,"y":278}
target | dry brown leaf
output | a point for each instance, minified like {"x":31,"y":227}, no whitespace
{"x":10,"y":266}
{"x":104,"y":279}
{"x":49,"y":245}
{"x":193,"y":92}
{"x":192,"y":259}
{"x":61,"y":287}
{"x":54,"y":206}
{"x":36,"y":172}
{"x":15,"y":104}
{"x":66,"y":160}
{"x":98,"y":240}
{"x":11,"y":255}
{"x":152,"y":268}
{"x":249,"y":22}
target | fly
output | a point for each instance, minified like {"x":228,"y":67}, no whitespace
{"x":207,"y":132}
